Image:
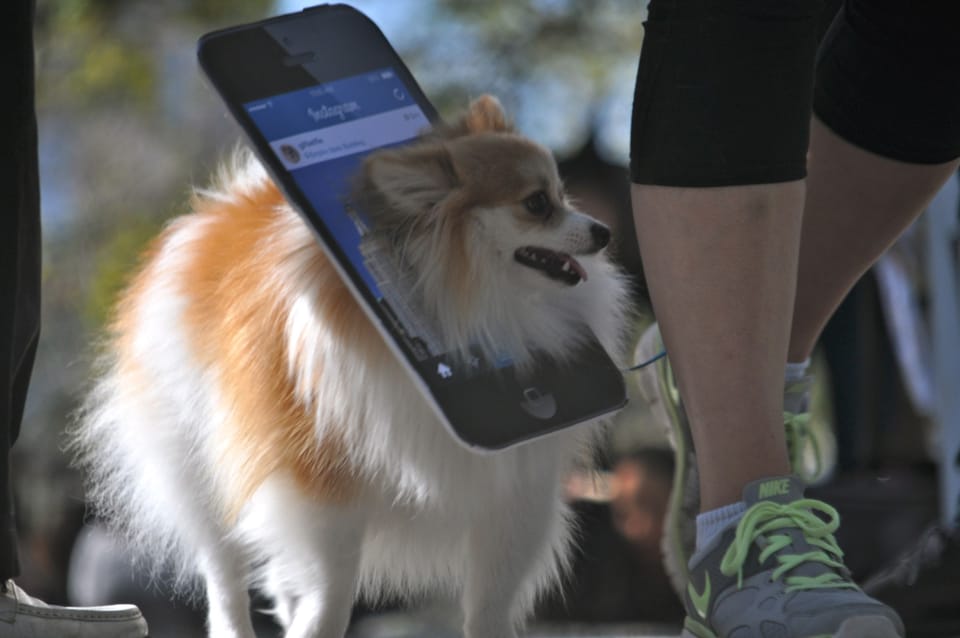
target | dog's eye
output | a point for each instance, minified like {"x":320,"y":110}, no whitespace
{"x":538,"y":204}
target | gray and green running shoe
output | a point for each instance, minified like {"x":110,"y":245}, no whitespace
{"x":778,"y":573}
{"x":811,"y":442}
{"x":659,"y":391}
{"x":811,"y":446}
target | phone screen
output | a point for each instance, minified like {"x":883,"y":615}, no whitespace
{"x":313,"y":122}
{"x":320,"y":135}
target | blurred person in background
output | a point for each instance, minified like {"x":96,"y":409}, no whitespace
{"x":616,"y":575}
{"x":638,"y":504}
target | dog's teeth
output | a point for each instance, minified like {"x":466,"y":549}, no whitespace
{"x":566,"y":266}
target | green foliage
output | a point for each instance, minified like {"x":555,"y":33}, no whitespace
{"x":225,"y":11}
{"x":113,"y":70}
{"x":105,"y":51}
{"x":92,"y":61}
{"x":104,"y":69}
{"x":115,"y":265}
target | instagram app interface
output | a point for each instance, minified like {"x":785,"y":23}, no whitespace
{"x":321,"y":134}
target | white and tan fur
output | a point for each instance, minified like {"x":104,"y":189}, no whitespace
{"x":250,"y":426}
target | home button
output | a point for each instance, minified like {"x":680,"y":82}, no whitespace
{"x":537,"y":404}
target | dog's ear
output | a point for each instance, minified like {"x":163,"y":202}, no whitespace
{"x":412,"y":181}
{"x":486,"y":115}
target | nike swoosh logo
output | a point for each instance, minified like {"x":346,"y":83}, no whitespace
{"x":700,"y":601}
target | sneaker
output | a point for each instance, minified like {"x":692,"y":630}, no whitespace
{"x":22,"y":616}
{"x":659,"y":391}
{"x":778,"y":572}
{"x":923,"y":584}
{"x":810,"y":443}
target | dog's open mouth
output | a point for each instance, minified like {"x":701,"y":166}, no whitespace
{"x":555,"y":265}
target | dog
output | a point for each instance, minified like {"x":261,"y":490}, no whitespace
{"x":250,"y":426}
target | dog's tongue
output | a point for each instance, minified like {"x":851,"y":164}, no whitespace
{"x":571,"y":263}
{"x":556,"y":265}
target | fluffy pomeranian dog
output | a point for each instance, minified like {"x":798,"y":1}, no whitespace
{"x":251,"y":427}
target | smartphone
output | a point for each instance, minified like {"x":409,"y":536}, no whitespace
{"x":315,"y":92}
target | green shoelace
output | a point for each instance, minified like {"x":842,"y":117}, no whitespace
{"x":762,"y":521}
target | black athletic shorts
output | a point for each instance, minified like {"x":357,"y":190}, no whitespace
{"x":725,"y":88}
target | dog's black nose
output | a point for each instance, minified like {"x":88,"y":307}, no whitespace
{"x":601,"y":235}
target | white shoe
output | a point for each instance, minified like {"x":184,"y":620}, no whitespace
{"x":22,"y":616}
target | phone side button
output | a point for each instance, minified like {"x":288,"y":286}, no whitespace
{"x":537,"y":404}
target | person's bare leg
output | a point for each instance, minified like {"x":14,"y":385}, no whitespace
{"x":721,"y":266}
{"x":858,"y":203}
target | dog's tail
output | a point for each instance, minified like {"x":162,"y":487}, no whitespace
{"x":136,"y":436}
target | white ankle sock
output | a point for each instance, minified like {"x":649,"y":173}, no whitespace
{"x":796,"y":371}
{"x":711,"y":523}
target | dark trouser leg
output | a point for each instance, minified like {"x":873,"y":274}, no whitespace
{"x":19,"y":249}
